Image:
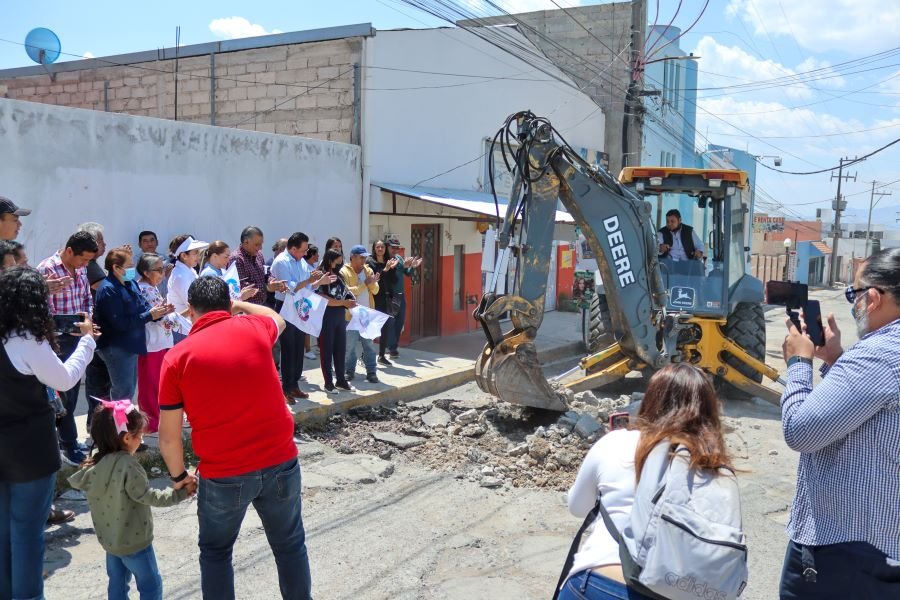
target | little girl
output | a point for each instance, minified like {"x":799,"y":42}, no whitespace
{"x":120,"y":498}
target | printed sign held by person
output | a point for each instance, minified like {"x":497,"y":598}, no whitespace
{"x":230,"y":276}
{"x":304,"y":310}
{"x":366,"y":321}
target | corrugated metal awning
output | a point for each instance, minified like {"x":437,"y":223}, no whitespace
{"x":480,"y":203}
{"x":821,"y":247}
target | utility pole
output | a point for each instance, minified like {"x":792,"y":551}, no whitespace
{"x":872,"y":204}
{"x":632,"y":113}
{"x":838,"y":205}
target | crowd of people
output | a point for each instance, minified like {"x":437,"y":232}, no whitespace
{"x":123,"y":329}
{"x":161,"y":326}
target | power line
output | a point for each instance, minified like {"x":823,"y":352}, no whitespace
{"x":845,"y":163}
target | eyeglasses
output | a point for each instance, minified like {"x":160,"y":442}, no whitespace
{"x":851,"y":292}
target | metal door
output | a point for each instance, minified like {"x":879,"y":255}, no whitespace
{"x":424,"y":309}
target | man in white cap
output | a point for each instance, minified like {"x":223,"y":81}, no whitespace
{"x":9,"y":218}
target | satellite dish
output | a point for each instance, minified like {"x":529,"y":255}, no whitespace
{"x":42,"y":46}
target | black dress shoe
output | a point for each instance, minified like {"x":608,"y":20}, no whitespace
{"x":59,"y":516}
{"x":372,"y":378}
{"x":329,"y":387}
{"x":344,"y":385}
{"x":383,"y":360}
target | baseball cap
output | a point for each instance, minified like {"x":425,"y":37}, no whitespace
{"x":191,"y":244}
{"x":393,"y":243}
{"x":359,"y":251}
{"x":8,"y":206}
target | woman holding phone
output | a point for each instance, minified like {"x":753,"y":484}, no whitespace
{"x":333,"y":337}
{"x":29,"y":448}
{"x":385,"y":266}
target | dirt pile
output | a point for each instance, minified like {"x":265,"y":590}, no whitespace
{"x":478,"y":438}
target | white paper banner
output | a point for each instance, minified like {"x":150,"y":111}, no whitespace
{"x":230,"y":276}
{"x":367,"y":321}
{"x":304,"y":310}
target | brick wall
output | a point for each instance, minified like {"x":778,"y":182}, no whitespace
{"x":611,"y":23}
{"x":299,"y":89}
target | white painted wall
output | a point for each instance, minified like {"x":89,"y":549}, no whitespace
{"x":413,"y":134}
{"x":132,"y":173}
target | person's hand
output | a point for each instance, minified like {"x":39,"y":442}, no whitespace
{"x":350,"y":304}
{"x":407,"y":262}
{"x":189,"y":482}
{"x":87,"y":327}
{"x":377,"y":277}
{"x":698,"y":255}
{"x":277,"y":285}
{"x":316,"y":275}
{"x":391,"y":264}
{"x":127,"y":248}
{"x":55,"y":284}
{"x":158,"y":312}
{"x":169,"y":267}
{"x":663,"y":248}
{"x":417,"y":263}
{"x":796,"y":343}
{"x":831,"y":351}
{"x":370,"y":279}
{"x":326,"y":279}
{"x":248,"y":292}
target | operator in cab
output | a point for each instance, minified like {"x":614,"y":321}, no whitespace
{"x":679,"y":241}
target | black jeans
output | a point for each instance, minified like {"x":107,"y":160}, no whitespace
{"x":333,"y":343}
{"x":96,"y":385}
{"x":850,"y":570}
{"x":293,"y":342}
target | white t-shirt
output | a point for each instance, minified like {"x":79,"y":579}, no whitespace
{"x":179,"y":281}
{"x":38,"y":358}
{"x":608,"y":469}
{"x":159,"y":333}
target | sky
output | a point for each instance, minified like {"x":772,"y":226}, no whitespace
{"x":850,"y":109}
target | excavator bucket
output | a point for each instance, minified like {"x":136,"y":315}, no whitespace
{"x":511,"y":371}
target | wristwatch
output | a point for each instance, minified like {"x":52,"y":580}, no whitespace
{"x":181,"y":477}
{"x":801,"y":359}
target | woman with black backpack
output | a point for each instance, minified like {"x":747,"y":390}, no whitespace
{"x":635,"y":479}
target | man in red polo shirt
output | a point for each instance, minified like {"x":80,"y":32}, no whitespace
{"x":222,"y":376}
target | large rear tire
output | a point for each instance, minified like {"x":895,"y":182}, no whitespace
{"x":596,"y":327}
{"x":746,"y":327}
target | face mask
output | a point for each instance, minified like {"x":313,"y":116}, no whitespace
{"x":130,"y":274}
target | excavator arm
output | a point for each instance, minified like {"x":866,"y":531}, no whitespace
{"x":616,"y":223}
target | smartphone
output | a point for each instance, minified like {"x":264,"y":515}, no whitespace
{"x":618,"y":420}
{"x":786,"y":293}
{"x":812,"y":316}
{"x":66,"y":324}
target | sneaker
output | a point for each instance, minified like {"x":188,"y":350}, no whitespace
{"x":348,"y":377}
{"x":329,"y":387}
{"x":310,"y":355}
{"x":382,"y":360}
{"x":344,"y":386}
{"x":73,"y":457}
{"x":394,"y":354}
{"x":372,"y":378}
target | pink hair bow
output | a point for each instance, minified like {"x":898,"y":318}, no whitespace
{"x":120,"y":410}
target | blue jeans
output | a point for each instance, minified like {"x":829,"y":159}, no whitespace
{"x":588,"y":585}
{"x":142,"y":565}
{"x":221,"y":505}
{"x":122,"y":367}
{"x":24,"y":508}
{"x":368,"y":352}
{"x":396,"y":324}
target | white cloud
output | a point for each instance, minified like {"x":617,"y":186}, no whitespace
{"x":850,"y":26}
{"x":88,"y":55}
{"x":237,"y":27}
{"x":722,"y":65}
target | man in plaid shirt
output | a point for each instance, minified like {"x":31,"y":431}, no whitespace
{"x":72,"y":262}
{"x":845,"y":518}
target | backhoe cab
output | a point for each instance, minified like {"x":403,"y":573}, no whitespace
{"x":650,"y":311}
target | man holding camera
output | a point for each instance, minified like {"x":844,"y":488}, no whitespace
{"x":845,"y":518}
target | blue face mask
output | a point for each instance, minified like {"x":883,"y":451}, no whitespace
{"x":130,"y":274}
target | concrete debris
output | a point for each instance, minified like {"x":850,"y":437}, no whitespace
{"x":586,"y":398}
{"x":538,"y":448}
{"x":473,"y":431}
{"x":400,"y":441}
{"x":467,"y":417}
{"x":491,"y":482}
{"x":568,"y":420}
{"x":588,"y":427}
{"x":436,"y":417}
{"x":773,"y":452}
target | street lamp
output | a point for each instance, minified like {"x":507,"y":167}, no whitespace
{"x":787,"y":258}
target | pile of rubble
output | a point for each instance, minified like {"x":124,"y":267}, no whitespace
{"x":478,"y":438}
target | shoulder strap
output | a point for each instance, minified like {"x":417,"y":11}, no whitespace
{"x":576,"y":543}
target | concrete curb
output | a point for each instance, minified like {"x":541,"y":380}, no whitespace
{"x":447,"y":380}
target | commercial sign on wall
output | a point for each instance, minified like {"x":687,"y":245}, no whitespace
{"x":767,"y":224}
